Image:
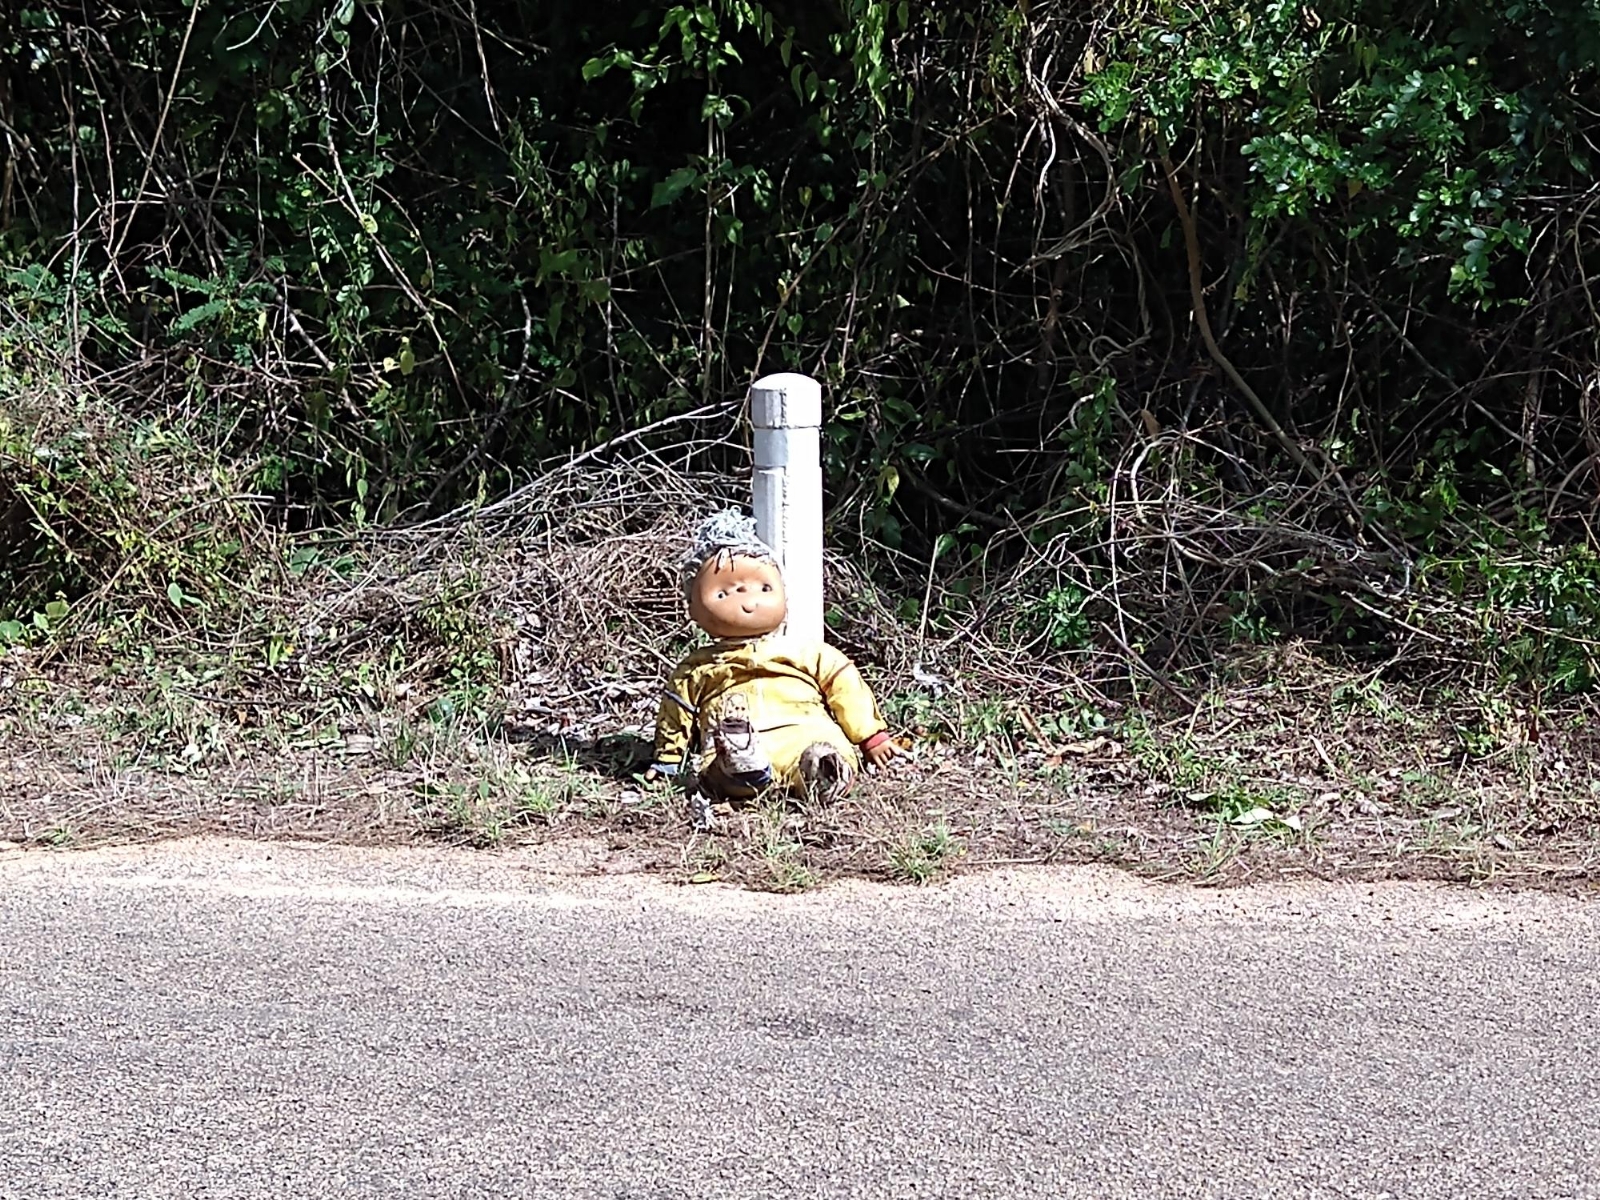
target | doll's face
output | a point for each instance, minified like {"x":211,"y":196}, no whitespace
{"x":738,"y":597}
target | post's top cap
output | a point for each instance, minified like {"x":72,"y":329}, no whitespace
{"x":786,"y":401}
{"x":785,"y":381}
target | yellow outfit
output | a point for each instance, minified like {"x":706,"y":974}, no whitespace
{"x":798,"y":693}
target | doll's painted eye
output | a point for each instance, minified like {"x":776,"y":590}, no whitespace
{"x":766,"y":587}
{"x":722,"y":595}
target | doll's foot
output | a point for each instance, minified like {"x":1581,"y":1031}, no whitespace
{"x":739,"y":755}
{"x":824,"y":775}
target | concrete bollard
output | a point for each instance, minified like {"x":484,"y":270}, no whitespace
{"x":786,"y":487}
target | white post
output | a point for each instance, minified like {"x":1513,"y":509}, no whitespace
{"x":786,"y":411}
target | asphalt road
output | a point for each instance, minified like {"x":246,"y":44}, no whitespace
{"x":224,"y":1020}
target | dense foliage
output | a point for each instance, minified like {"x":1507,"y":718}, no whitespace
{"x":1281,"y":308}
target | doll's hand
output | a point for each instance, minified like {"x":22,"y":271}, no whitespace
{"x":880,"y":750}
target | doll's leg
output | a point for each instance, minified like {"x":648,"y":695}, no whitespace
{"x":825,"y":774}
{"x":741,"y":768}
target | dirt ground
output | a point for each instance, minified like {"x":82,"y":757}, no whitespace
{"x":1300,"y":773}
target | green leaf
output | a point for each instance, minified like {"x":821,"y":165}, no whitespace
{"x":208,"y":311}
{"x":557,"y":263}
{"x":889,"y":481}
{"x":175,"y":594}
{"x":673,"y":186}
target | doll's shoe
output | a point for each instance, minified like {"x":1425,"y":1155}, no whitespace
{"x":734,"y":737}
{"x":824,"y":774}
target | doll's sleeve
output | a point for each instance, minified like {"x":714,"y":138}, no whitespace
{"x":674,"y":722}
{"x":848,"y":697}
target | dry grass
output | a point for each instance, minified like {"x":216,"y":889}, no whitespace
{"x":1355,"y":785}
{"x":491,"y":679}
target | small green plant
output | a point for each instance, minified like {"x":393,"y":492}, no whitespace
{"x":402,"y":744}
{"x":1216,"y":853}
{"x":1251,"y":628}
{"x":542,"y":794}
{"x":918,"y":711}
{"x":462,"y":813}
{"x":1369,"y":696}
{"x":782,"y":857}
{"x":922,"y":857}
{"x":1059,"y":618}
{"x":458,"y":622}
{"x":986,"y":719}
{"x":1074,"y":723}
{"x":1217,"y":785}
{"x":1424,"y":789}
{"x":58,"y":837}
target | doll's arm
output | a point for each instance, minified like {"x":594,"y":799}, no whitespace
{"x":674,"y":722}
{"x":851,"y":702}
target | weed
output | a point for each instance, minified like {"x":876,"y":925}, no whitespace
{"x":458,"y":621}
{"x":986,"y":720}
{"x":171,"y":728}
{"x":1067,"y":830}
{"x":1448,"y":836}
{"x":783,"y":864}
{"x":503,"y":797}
{"x":460,"y":812}
{"x":1074,"y":723}
{"x":1217,"y":852}
{"x":924,"y":715}
{"x":1250,"y":628}
{"x":402,"y":744}
{"x":1424,"y":789}
{"x":1059,"y":618}
{"x":1113,"y":847}
{"x":1235,"y":800}
{"x":706,"y":856}
{"x":1217,"y":785}
{"x":1367,"y":696}
{"x":58,"y":837}
{"x":922,"y":857}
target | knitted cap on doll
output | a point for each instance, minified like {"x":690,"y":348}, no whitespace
{"x":729,"y":533}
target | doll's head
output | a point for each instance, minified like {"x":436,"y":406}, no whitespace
{"x":732,"y":580}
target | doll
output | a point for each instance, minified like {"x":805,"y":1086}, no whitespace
{"x":769,"y":712}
